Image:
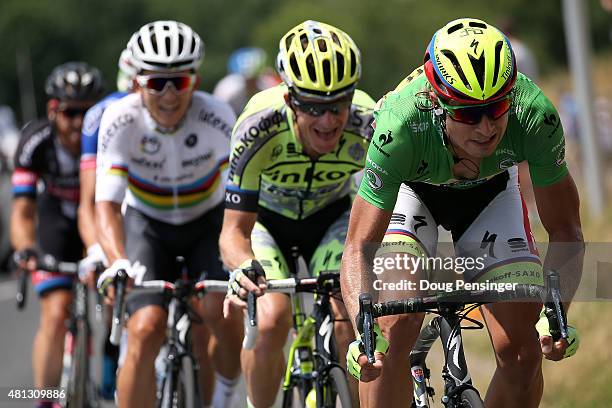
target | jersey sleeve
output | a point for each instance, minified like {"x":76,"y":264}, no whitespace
{"x":27,"y":161}
{"x":113,"y":157}
{"x":245,"y":167}
{"x":89,"y":137}
{"x":386,"y":156}
{"x":544,"y":143}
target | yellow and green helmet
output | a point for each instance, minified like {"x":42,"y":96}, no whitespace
{"x":468,"y":61}
{"x":318,"y":60}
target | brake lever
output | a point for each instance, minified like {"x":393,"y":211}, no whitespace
{"x":365,"y":316}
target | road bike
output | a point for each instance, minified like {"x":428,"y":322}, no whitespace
{"x":312,"y":366}
{"x":178,"y":386}
{"x":452,"y":309}
{"x":80,"y":389}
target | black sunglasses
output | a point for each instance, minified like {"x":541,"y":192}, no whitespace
{"x":73,"y":112}
{"x":318,"y":108}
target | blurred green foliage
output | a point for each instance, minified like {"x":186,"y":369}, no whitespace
{"x":392,"y":34}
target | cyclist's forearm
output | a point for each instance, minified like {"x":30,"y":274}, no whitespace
{"x":566,"y":254}
{"x":86,"y":212}
{"x":23,"y":223}
{"x":235,"y":247}
{"x":354,"y":279}
{"x":110,"y":227}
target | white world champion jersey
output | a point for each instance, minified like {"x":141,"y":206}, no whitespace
{"x":171,"y":177}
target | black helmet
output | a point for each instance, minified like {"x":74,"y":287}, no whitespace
{"x":76,"y":81}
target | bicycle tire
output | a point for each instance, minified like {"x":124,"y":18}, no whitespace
{"x":340,"y":391}
{"x":469,"y":398}
{"x":180,"y":388}
{"x":77,"y":383}
{"x":295,"y":396}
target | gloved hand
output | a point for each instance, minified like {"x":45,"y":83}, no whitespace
{"x":546,"y":342}
{"x":356,"y":350}
{"x":107,"y":277}
{"x":248,"y":277}
{"x":87,"y":266}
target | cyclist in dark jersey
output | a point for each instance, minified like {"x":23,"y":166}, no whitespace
{"x":444,"y":152}
{"x":46,"y":186}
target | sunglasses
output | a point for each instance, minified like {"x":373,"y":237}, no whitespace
{"x":72,"y":113}
{"x":319,"y":109}
{"x":157,"y":83}
{"x":472,"y":115}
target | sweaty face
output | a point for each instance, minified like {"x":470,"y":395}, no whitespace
{"x":168,"y":106}
{"x":320,"y":134}
{"x":68,"y":119}
{"x":478,"y":140}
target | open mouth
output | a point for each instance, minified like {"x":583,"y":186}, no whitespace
{"x":168,"y":110}
{"x":326,"y":135}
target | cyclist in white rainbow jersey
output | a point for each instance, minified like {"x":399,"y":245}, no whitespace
{"x":165,"y":150}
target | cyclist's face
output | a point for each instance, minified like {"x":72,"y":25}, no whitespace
{"x":68,"y":119}
{"x":168,"y":106}
{"x":319,"y":134}
{"x":478,"y":140}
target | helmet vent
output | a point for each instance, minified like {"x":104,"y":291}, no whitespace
{"x":327,"y":72}
{"x":478,"y":25}
{"x":478,"y":65}
{"x":340,"y":62}
{"x":454,"y":28}
{"x":288,"y":41}
{"x":311,"y":68}
{"x":295,"y":68}
{"x":335,"y":38}
{"x":304,"y":41}
{"x":498,"y":50}
{"x":154,"y":43}
{"x":168,"y":45}
{"x":353,"y":62}
{"x":317,"y":31}
{"x":322,"y":45}
{"x":453,"y":59}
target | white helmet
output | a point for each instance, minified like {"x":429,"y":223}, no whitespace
{"x":166,"y":46}
{"x":127,"y":71}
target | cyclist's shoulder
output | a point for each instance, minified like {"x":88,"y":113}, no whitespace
{"x":265,"y":113}
{"x":205,"y":103}
{"x":36,"y":136}
{"x":91,"y":121}
{"x":130,"y":104}
{"x":401,"y":100}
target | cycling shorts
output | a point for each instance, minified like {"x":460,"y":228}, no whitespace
{"x":156,"y":245}
{"x":318,"y":238}
{"x":489,"y":223}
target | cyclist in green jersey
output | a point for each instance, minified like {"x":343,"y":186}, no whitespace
{"x":444,"y":152}
{"x":296,"y":150}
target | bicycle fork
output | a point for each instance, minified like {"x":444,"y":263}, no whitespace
{"x":455,"y":372}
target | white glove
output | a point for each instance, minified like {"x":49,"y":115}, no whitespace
{"x":95,"y":254}
{"x":108,"y":275}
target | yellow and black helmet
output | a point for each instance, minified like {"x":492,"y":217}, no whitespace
{"x":318,"y":60}
{"x":468,"y":61}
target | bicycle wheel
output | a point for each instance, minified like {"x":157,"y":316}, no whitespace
{"x":180,"y":387}
{"x":295,"y":396}
{"x":77,"y":380}
{"x":336,"y":390}
{"x":469,"y":398}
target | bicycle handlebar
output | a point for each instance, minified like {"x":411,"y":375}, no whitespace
{"x":152,"y":287}
{"x":46,"y":263}
{"x":288,"y":286}
{"x":549,"y":295}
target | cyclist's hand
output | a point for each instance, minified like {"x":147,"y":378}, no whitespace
{"x":240,"y":284}
{"x":108,"y":276}
{"x":26,"y":258}
{"x":560,"y":349}
{"x":87,"y":267}
{"x":357,"y":362}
